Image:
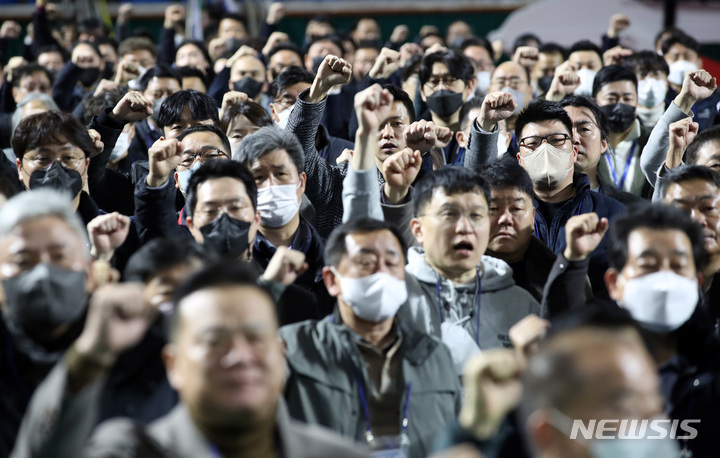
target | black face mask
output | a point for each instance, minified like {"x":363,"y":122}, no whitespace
{"x":619,"y":116}
{"x":109,"y":70}
{"x":249,"y":86}
{"x":227,"y":235}
{"x":44,"y":298}
{"x":57,"y":177}
{"x":444,"y":102}
{"x":88,"y":76}
{"x":544,"y":83}
{"x":316,"y":63}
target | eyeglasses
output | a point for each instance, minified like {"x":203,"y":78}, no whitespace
{"x":207,"y":153}
{"x":447,"y":81}
{"x":534,"y":141}
{"x":451,"y":216}
{"x":43,"y":161}
{"x":236,"y":209}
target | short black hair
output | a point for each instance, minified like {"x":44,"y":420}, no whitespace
{"x":220,"y":169}
{"x":289,"y":77}
{"x":164,"y":253}
{"x":401,"y":96}
{"x":682,"y":38}
{"x":479,"y":42}
{"x":158,"y":71}
{"x":657,"y":217}
{"x":216,"y":275}
{"x":611,"y":74}
{"x":91,"y":24}
{"x":235,"y":17}
{"x":201,"y":106}
{"x":335,"y":247}
{"x":284,"y":47}
{"x":709,"y":135}
{"x":579,"y":101}
{"x":208,"y":128}
{"x":28,"y":69}
{"x":458,"y":65}
{"x":188,"y":72}
{"x":368,"y":44}
{"x":541,"y":111}
{"x":585,"y":45}
{"x":644,"y":62}
{"x":50,"y":127}
{"x":508,"y":174}
{"x":254,"y":112}
{"x":452,"y":180}
{"x":131,"y":44}
{"x":198,"y":44}
{"x":95,"y":104}
{"x":552,"y":48}
{"x":525,"y":40}
{"x":686,"y":173}
{"x":466,"y":109}
{"x":333,"y":38}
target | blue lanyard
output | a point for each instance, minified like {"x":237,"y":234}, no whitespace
{"x":460,"y":156}
{"x":621,"y":182}
{"x":478,"y":289}
{"x":366,"y":410}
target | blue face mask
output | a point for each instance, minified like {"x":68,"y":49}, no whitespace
{"x":184,"y":176}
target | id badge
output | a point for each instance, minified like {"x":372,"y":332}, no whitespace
{"x":389,"y":446}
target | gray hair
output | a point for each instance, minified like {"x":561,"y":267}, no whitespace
{"x":44,"y":98}
{"x":267,"y":140}
{"x":30,"y":205}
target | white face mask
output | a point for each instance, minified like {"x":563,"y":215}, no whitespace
{"x":375,"y":297}
{"x":184,"y":176}
{"x":651,"y":92}
{"x":587,"y":77}
{"x":278,"y":204}
{"x":121,"y":146}
{"x":548,"y":165}
{"x":502,"y":144}
{"x":283,"y":116}
{"x":483,"y":81}
{"x":678,"y":70}
{"x":662,"y":301}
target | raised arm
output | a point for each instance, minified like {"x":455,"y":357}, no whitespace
{"x":482,"y":147}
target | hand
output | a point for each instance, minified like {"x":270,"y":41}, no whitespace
{"x":372,"y":107}
{"x":423,"y":135}
{"x":583,"y":233}
{"x":275,"y":13}
{"x":616,"y":56}
{"x":103,"y":86}
{"x":285,"y":266}
{"x":244,"y":50}
{"x":428,"y":29}
{"x":681,"y":134}
{"x":407,"y":51}
{"x":387,"y":62}
{"x":274,"y":39}
{"x":495,"y":107}
{"x":117,"y":319}
{"x":492,"y":389}
{"x":125,"y":12}
{"x":563,"y":83}
{"x":527,"y":56}
{"x":697,"y":85}
{"x":107,"y":232}
{"x":400,"y":171}
{"x":127,"y":70}
{"x":435,"y":48}
{"x":10,"y":30}
{"x":332,"y":71}
{"x":84,"y":57}
{"x":163,"y":157}
{"x":173,"y":15}
{"x":132,"y":107}
{"x":399,"y":34}
{"x":345,"y":156}
{"x":526,"y":334}
{"x":97,"y":142}
{"x":618,"y":23}
{"x":232,"y":98}
{"x":216,"y":47}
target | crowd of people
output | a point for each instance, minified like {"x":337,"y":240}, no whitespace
{"x":424,"y":246}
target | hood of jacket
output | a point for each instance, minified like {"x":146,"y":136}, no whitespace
{"x":496,"y":273}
